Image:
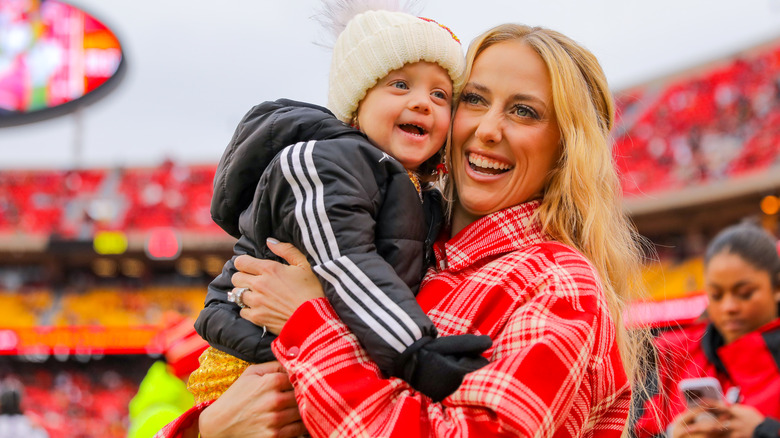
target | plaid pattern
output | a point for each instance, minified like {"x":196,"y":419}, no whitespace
{"x":555,"y":369}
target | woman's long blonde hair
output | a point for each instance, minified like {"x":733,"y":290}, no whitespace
{"x":582,"y":199}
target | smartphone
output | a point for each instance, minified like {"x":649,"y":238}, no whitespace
{"x":702,"y":391}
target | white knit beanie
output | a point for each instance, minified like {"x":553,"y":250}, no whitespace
{"x":374,"y":43}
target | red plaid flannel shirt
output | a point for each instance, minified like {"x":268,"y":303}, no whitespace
{"x":555,"y":368}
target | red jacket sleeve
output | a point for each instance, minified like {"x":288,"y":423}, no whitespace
{"x":186,"y":424}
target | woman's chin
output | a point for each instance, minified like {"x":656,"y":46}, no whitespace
{"x":477,"y":205}
{"x":730,"y":336}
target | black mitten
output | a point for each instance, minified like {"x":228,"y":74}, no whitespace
{"x":437,"y":367}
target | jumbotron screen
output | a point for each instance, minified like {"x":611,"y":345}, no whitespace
{"x":52,"y":56}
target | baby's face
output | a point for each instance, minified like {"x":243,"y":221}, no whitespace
{"x":407,"y":113}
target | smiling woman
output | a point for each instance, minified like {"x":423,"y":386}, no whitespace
{"x":534,"y":258}
{"x":505,"y":135}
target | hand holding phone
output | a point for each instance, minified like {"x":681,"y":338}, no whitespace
{"x":703,"y":392}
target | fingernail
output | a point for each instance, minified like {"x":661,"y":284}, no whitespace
{"x":271,"y":241}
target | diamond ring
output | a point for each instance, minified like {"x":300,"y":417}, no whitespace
{"x":237,"y":296}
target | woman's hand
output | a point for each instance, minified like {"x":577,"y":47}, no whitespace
{"x":742,"y":420}
{"x":261,"y":403}
{"x":700,"y":423}
{"x":275,"y":290}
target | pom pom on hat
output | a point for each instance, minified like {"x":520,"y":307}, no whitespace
{"x":376,"y":42}
{"x":335,"y":14}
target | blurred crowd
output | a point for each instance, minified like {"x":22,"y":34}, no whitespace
{"x":706,"y":128}
{"x":75,"y":204}
{"x":108,"y":307}
{"x":71,"y":400}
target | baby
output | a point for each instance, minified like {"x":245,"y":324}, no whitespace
{"x":353,"y":192}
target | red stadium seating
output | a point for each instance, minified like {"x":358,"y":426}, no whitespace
{"x":716,"y":125}
{"x":76,"y":204}
{"x":69,"y":402}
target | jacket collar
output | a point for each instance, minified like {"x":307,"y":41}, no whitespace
{"x":501,"y":232}
{"x":712,"y":341}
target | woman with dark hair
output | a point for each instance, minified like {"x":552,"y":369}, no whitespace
{"x":740,"y":346}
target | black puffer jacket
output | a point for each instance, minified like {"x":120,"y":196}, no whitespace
{"x":355,"y":213}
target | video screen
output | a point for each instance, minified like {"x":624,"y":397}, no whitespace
{"x":51,"y":54}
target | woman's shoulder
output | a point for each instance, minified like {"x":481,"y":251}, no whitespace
{"x":550,"y":256}
{"x":564,"y":255}
{"x":550,"y":270}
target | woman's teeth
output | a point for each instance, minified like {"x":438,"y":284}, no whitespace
{"x":485,"y":165}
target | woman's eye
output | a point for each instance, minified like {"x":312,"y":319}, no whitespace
{"x":471,"y":98}
{"x":401,"y":85}
{"x":745,"y":295}
{"x":714,"y":294}
{"x":524,"y":111}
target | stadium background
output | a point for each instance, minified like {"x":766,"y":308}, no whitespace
{"x":101,"y":267}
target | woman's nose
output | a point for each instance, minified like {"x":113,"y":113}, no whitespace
{"x":489,"y":129}
{"x":730,"y":304}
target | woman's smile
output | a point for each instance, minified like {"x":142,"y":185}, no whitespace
{"x":485,"y":165}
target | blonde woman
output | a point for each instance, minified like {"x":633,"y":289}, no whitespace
{"x":537,"y":255}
